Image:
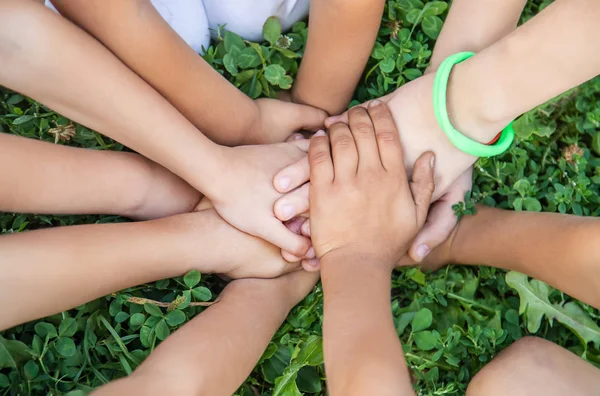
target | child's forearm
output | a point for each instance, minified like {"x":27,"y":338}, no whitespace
{"x":222,"y":345}
{"x":68,"y":180}
{"x":362,"y":352}
{"x":54,"y":62}
{"x":473,"y":26}
{"x":524,"y":69}
{"x":136,"y":33}
{"x":341,"y":32}
{"x":560,"y":250}
{"x":48,"y":271}
{"x":215,"y":352}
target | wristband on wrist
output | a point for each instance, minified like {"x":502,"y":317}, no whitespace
{"x":460,"y":141}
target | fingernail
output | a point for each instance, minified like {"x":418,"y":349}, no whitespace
{"x":432,"y":162}
{"x":311,"y":253}
{"x":307,"y":228}
{"x":320,"y":133}
{"x":284,"y":182}
{"x":312,"y":262}
{"x":422,"y":251}
{"x":288,"y":211}
{"x":332,"y":120}
{"x":298,"y":136}
{"x":375,"y":103}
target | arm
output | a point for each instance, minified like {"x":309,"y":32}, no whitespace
{"x":79,"y":181}
{"x":474,"y":26}
{"x":363,"y":217}
{"x":72,"y":265}
{"x":362,"y":352}
{"x":517,"y":73}
{"x":136,"y":33}
{"x":561,"y":250}
{"x":340,"y":32}
{"x":116,"y":102}
{"x":222,"y":345}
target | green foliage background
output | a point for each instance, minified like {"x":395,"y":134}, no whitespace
{"x":451,"y":322}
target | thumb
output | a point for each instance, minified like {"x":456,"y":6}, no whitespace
{"x":295,"y":245}
{"x":304,"y":117}
{"x":441,"y":220}
{"x":422,"y":185}
{"x":440,"y":223}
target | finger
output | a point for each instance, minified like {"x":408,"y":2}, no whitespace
{"x":293,"y":176}
{"x":292,"y":204}
{"x":343,"y":118}
{"x":282,"y":237}
{"x":305,"y":117}
{"x":290,"y":258}
{"x":305,"y":228}
{"x":294,"y":225}
{"x":364,"y":136}
{"x":294,"y":136}
{"x":440,"y":223}
{"x":422,"y":185}
{"x":441,"y":219}
{"x":302,"y":144}
{"x":312,"y":265}
{"x":319,"y":158}
{"x":329,"y":121}
{"x":388,"y":138}
{"x":292,"y":266}
{"x":343,"y":150}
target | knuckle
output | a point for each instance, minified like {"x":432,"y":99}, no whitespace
{"x":362,"y":128}
{"x":319,"y":157}
{"x":388,"y":137}
{"x":357,"y":110}
{"x":343,"y":141}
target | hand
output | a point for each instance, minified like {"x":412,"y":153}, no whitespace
{"x":441,"y":220}
{"x":361,"y":201}
{"x":279,"y":119}
{"x":247,"y":196}
{"x":243,"y":255}
{"x":413,"y":113}
{"x":439,"y":256}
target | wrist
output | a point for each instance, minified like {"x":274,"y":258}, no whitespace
{"x":215,"y":169}
{"x":473,"y":107}
{"x":257,"y":292}
{"x":342,"y":265}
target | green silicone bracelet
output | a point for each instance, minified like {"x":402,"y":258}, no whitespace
{"x":463,"y":143}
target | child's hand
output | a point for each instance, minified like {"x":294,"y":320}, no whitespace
{"x":360,"y":198}
{"x":438,"y":258}
{"x":246,"y":195}
{"x":280,"y":119}
{"x":242,"y":255}
{"x":411,"y":107}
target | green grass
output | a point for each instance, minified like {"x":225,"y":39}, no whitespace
{"x":451,"y":322}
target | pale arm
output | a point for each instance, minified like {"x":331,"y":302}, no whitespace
{"x":68,"y":180}
{"x":475,"y":25}
{"x":49,"y":271}
{"x":215,"y":352}
{"x":341,"y":34}
{"x":524,"y":70}
{"x":53,"y":61}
